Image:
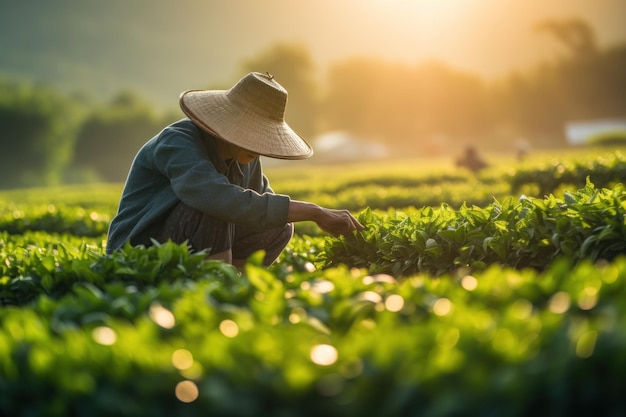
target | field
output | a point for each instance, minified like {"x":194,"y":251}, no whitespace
{"x":496,"y":294}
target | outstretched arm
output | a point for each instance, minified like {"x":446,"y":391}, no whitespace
{"x":335,"y":222}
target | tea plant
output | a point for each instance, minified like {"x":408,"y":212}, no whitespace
{"x":332,"y":342}
{"x":586,"y":224}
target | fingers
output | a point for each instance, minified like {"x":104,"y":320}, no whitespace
{"x":343,"y":223}
{"x":357,"y":225}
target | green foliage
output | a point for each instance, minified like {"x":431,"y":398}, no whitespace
{"x":77,"y":210}
{"x":530,"y":233}
{"x":331,"y":342}
{"x":53,"y":218}
{"x":37,"y":132}
{"x":516,"y":308}
{"x":615,"y":138}
{"x":401,"y":185}
{"x":110,"y":137}
{"x":549,"y":176}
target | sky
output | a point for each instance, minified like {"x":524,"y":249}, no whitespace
{"x":490,"y":37}
{"x":165,"y":46}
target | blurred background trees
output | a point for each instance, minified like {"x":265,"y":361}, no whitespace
{"x":422,"y":110}
{"x":37,"y":131}
{"x":111,"y":136}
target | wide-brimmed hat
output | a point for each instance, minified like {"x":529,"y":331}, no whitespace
{"x":250,"y":115}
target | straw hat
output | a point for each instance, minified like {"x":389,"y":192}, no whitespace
{"x":250,"y":115}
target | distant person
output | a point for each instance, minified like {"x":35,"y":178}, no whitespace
{"x":200,"y":179}
{"x":471,"y":160}
{"x":522,"y":149}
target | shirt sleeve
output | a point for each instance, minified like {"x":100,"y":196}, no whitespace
{"x":183,"y":159}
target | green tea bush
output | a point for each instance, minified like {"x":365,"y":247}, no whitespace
{"x":604,"y":170}
{"x":612,"y":139}
{"x":53,"y":218}
{"x":586,"y":224}
{"x":333,"y":342}
{"x":37,"y":264}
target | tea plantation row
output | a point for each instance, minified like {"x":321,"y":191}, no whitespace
{"x":528,"y":233}
{"x":86,"y":210}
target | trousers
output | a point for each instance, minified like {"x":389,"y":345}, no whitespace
{"x":204,"y":232}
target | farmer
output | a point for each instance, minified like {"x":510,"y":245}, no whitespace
{"x":471,"y":160}
{"x":200,"y":179}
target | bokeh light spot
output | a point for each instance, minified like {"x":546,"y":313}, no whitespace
{"x":186,"y":391}
{"x":324,"y":354}
{"x":394,"y":303}
{"x":371,"y":296}
{"x":104,"y":335}
{"x":469,"y":283}
{"x":323,"y":286}
{"x":588,"y":298}
{"x":195,"y":371}
{"x":442,"y":307}
{"x":559,"y":303}
{"x":229,"y":328}
{"x":182,"y":359}
{"x":162,"y":316}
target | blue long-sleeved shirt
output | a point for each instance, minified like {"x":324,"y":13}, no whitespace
{"x":181,"y":163}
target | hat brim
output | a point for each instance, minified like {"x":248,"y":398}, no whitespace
{"x":214,"y":112}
